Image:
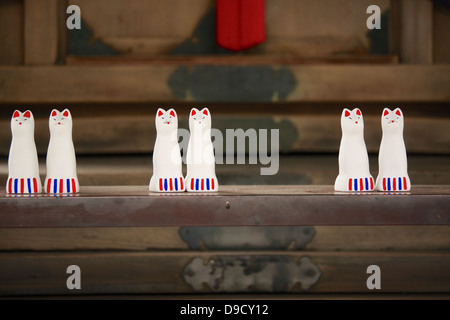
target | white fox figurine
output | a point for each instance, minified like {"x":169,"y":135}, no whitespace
{"x":167,"y":166}
{"x":201,"y":173}
{"x":392,"y":159}
{"x":61,"y":161}
{"x":23,"y":165}
{"x":354,"y":173}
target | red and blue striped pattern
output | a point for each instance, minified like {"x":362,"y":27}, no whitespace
{"x":205,"y":184}
{"x":23,"y":185}
{"x":171,"y":184}
{"x":395,"y":184}
{"x":361,"y":184}
{"x":61,"y":186}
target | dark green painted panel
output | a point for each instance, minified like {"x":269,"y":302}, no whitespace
{"x":83,"y":43}
{"x":214,"y":83}
{"x":203,"y":40}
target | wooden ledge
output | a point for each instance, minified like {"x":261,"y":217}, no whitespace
{"x":135,"y":206}
{"x":179,"y":82}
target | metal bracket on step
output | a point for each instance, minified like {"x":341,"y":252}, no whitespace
{"x":247,"y":238}
{"x":252,"y":273}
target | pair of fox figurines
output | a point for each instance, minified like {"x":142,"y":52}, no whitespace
{"x":354,"y":174}
{"x":200,"y":160}
{"x":23,"y":166}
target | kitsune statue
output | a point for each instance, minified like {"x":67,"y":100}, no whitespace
{"x":354,"y":172}
{"x":200,"y":160}
{"x":23,"y":165}
{"x":167,"y":165}
{"x":392,"y":159}
{"x":61,"y":161}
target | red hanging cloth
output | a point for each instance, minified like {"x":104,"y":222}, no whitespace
{"x":239,"y":24}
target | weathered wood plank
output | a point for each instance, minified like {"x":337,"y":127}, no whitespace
{"x":85,"y":84}
{"x":416,"y":31}
{"x":69,"y":239}
{"x":367,"y":238}
{"x":441,"y":36}
{"x":150,"y":83}
{"x":236,"y":60}
{"x":11,"y":32}
{"x":122,"y":206}
{"x":371,"y":83}
{"x":164,"y":272}
{"x":122,"y":134}
{"x":410,"y":238}
{"x":41,"y":31}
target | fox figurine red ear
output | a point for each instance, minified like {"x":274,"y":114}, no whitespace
{"x":61,"y":160}
{"x":167,"y":166}
{"x":23,"y":166}
{"x":200,"y":161}
{"x":392,"y":157}
{"x":354,"y":171}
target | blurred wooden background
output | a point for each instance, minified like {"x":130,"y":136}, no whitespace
{"x":131,"y":57}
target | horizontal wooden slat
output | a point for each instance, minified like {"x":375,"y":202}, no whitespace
{"x":163,"y":272}
{"x":68,"y":239}
{"x":232,"y":206}
{"x":234,"y":60}
{"x":297,"y":133}
{"x":410,"y":238}
{"x":11,"y":32}
{"x":304,"y":133}
{"x":150,"y":83}
{"x":41,"y":31}
{"x":355,"y":238}
{"x":372,"y":83}
{"x":88,"y":84}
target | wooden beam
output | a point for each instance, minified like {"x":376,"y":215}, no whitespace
{"x":123,"y":206}
{"x":339,"y":238}
{"x":232,"y":60}
{"x":174,"y":82}
{"x":371,"y":83}
{"x":42,"y":18}
{"x":28,"y":273}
